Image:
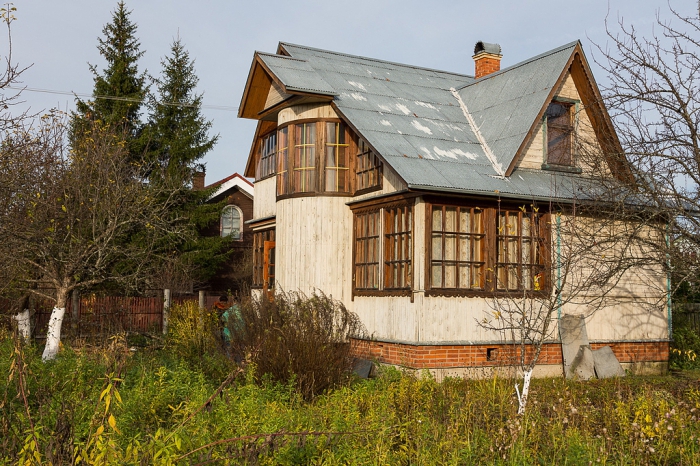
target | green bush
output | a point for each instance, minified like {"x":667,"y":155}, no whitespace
{"x":685,"y":349}
{"x":193,"y":332}
{"x":292,"y":336}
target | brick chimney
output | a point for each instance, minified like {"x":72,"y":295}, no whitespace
{"x":198,"y":181}
{"x":487,"y":59}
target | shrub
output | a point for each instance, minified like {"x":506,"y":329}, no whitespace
{"x":292,"y":336}
{"x":192,"y":331}
{"x":685,"y":348}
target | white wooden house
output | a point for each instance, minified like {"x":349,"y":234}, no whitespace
{"x":387,"y":186}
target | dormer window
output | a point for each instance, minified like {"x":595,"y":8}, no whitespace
{"x":560,"y":134}
{"x":231,"y":220}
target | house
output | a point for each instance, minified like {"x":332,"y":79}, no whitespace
{"x":420,"y":198}
{"x":238,"y":194}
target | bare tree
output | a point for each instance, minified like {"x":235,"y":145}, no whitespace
{"x":582,"y":257}
{"x":653,"y":94}
{"x":84,"y":217}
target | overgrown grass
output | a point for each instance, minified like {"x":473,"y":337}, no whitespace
{"x":115,"y":406}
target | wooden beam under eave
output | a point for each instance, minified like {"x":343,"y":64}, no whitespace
{"x":600,"y":119}
{"x":255,"y":93}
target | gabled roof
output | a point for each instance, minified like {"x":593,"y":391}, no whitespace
{"x":231,"y":182}
{"x":439,"y":130}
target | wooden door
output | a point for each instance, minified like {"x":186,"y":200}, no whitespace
{"x":269,"y":267}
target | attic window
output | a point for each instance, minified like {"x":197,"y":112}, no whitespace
{"x":560,"y":132}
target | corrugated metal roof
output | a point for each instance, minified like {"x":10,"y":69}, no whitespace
{"x":296,"y":74}
{"x":413,"y":116}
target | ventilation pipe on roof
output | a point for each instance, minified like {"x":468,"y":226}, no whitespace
{"x":487,"y":59}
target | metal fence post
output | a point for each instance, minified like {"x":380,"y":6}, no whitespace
{"x":167,"y":301}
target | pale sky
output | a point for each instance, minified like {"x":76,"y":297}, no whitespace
{"x":60,"y":38}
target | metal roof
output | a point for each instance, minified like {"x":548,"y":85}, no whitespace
{"x":438,"y":130}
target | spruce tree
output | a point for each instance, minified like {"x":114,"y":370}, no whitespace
{"x":178,"y":139}
{"x":120,"y":89}
{"x":177,"y":132}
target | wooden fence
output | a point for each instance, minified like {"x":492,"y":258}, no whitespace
{"x":687,"y":314}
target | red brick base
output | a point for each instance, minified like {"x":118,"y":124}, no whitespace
{"x":447,"y":356}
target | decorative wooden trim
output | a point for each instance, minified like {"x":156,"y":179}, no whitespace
{"x":387,"y":292}
{"x":384,"y":200}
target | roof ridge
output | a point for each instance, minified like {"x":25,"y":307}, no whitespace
{"x":331,"y":52}
{"x":523,"y":63}
{"x":276,"y":55}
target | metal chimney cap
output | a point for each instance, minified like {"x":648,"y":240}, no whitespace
{"x":482,"y":47}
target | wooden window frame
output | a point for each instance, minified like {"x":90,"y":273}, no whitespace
{"x":367,"y":164}
{"x":267,"y":163}
{"x":367,"y":250}
{"x":286,"y":187}
{"x":490,"y":252}
{"x":398,"y":248}
{"x":533,"y":271}
{"x":476,"y":243}
{"x":571,"y":129}
{"x":304,"y":164}
{"x":340,"y":131}
{"x":260,"y":237}
{"x":283,"y":150}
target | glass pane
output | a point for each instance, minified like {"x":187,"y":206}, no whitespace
{"x":526,"y":251}
{"x":437,"y":276}
{"x":450,"y":219}
{"x":477,"y":226}
{"x":513,"y":278}
{"x":527,"y":278}
{"x":437,"y":218}
{"x":464,"y":221}
{"x":450,"y":276}
{"x":477,"y":272}
{"x":464,"y":276}
{"x":450,"y":247}
{"x":464,"y":248}
{"x":526,"y":225}
{"x":437,"y":247}
{"x":476,"y":250}
{"x":512,"y":253}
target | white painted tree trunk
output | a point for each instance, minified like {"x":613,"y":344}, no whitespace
{"x":53,"y":335}
{"x":24,"y":325}
{"x":522,"y":396}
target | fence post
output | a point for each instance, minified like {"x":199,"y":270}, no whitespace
{"x":202,"y":300}
{"x":75,"y":311}
{"x":167,"y":301}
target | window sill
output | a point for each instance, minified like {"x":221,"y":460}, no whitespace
{"x":447,"y":293}
{"x":405,"y":292}
{"x":561,"y":168}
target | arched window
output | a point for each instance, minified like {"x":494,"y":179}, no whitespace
{"x":231,"y":221}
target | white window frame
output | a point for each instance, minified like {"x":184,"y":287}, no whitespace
{"x":231,"y":208}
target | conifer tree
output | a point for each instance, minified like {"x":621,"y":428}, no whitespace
{"x":177,"y":132}
{"x":178,"y":139}
{"x":120,"y":89}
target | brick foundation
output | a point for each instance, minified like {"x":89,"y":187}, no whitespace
{"x":452,"y":356}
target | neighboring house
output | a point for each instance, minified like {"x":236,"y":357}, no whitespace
{"x":388,"y":186}
{"x":238,"y":194}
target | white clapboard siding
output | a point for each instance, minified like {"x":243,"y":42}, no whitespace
{"x":265,"y":198}
{"x":314,"y":245}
